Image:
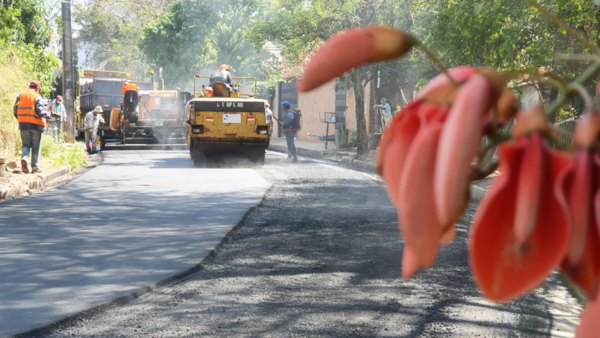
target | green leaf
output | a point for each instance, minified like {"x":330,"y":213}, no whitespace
{"x":479,"y":8}
{"x":561,"y":4}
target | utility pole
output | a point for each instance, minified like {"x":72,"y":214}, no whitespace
{"x":68,"y":69}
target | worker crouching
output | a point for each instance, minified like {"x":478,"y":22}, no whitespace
{"x":91,"y":123}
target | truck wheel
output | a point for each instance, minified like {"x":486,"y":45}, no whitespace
{"x":192,"y":150}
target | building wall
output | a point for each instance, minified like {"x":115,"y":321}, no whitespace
{"x":322,"y":100}
{"x":313,"y":106}
{"x":275,"y":107}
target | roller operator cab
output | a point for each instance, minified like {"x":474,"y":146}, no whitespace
{"x":235,"y":122}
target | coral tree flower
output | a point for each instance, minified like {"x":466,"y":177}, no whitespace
{"x":352,"y":49}
{"x":579,"y":187}
{"x":425,"y":158}
{"x":520,"y":232}
{"x":590,"y":321}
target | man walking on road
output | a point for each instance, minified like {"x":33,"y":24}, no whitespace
{"x":91,"y":122}
{"x":30,"y":111}
{"x":289,"y":131}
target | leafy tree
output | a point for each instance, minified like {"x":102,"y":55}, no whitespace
{"x":300,"y":27}
{"x":175,"y":41}
{"x":196,"y":37}
{"x":26,"y":34}
{"x":510,"y":35}
{"x":111,"y":29}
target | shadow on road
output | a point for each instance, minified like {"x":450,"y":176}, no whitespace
{"x":321,"y":257}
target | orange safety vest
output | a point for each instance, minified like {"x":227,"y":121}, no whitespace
{"x":26,"y":109}
{"x":131,"y":86}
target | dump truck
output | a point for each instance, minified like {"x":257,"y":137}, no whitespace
{"x":156,"y":116}
{"x":101,"y":88}
{"x":224,"y":121}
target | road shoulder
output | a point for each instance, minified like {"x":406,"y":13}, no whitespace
{"x":16,"y":184}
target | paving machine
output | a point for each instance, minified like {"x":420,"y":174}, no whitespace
{"x":222,"y":119}
{"x":151,"y":116}
{"x":101,"y":88}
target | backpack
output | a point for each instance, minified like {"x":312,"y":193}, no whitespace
{"x":297,"y":121}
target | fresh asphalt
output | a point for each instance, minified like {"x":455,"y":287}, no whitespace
{"x":320,"y":256}
{"x":137,"y":219}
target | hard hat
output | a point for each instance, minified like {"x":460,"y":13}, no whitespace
{"x":226,"y":67}
{"x":98,"y":109}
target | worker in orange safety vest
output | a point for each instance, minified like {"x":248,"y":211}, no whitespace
{"x":32,"y":113}
{"x":129,"y":85}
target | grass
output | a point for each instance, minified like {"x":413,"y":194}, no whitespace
{"x":64,"y":154}
{"x":13,"y":80}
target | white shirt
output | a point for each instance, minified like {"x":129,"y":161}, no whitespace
{"x":92,"y":121}
{"x":386,"y":110}
{"x":269,"y":113}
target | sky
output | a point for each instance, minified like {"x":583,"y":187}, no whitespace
{"x":56,"y":12}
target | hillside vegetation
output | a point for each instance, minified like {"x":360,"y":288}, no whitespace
{"x":25,"y":37}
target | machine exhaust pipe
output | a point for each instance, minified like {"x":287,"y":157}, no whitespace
{"x":161,"y":82}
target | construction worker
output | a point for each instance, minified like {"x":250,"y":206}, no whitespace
{"x":269,"y":116}
{"x":129,"y":85}
{"x":130,"y":100}
{"x":289,"y":130}
{"x":90,"y":123}
{"x":222,"y":75}
{"x":32,"y":114}
{"x":58,"y":116}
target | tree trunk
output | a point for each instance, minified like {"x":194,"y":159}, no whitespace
{"x":361,"y":125}
{"x":553,"y":96}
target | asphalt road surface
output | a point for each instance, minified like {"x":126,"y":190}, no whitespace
{"x":139,"y":218}
{"x":319,"y":257}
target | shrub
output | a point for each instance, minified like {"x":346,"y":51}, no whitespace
{"x":64,"y":154}
{"x":73,"y":156}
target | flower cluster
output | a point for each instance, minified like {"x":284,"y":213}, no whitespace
{"x":541,"y":213}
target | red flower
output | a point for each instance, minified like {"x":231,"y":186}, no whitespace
{"x":580,"y":187}
{"x":520,"y":232}
{"x":352,"y":49}
{"x":590,"y":323}
{"x":425,"y":158}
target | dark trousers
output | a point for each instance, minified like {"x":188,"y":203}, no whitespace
{"x":289,"y":137}
{"x":32,"y":143}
